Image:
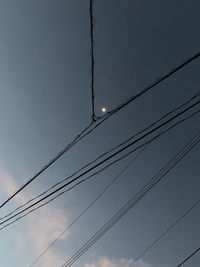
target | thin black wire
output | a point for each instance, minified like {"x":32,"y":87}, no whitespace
{"x":76,"y":139}
{"x":162,"y":78}
{"x":189,"y":257}
{"x":122,"y":157}
{"x":109,"y":114}
{"x":115,"y":218}
{"x":109,"y":151}
{"x":78,"y":183}
{"x":136,"y":198}
{"x":92,"y":203}
{"x":101,"y":232}
{"x":92,"y":57}
{"x":147,"y":88}
{"x":165,"y":232}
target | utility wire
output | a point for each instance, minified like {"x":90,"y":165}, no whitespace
{"x":92,"y":57}
{"x":165,"y":232}
{"x":76,"y":139}
{"x":102,"y":231}
{"x":106,"y":153}
{"x":78,"y":183}
{"x":127,"y":146}
{"x":162,"y":78}
{"x":97,"y":236}
{"x":136,"y":198}
{"x":92,"y":202}
{"x":92,"y":240}
{"x":87,"y":129}
{"x":122,"y":157}
{"x":189,"y":257}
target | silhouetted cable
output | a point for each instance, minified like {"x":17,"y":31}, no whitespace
{"x":189,"y":257}
{"x":92,"y":57}
{"x":91,"y":204}
{"x":104,"y":154}
{"x":101,"y":232}
{"x":165,"y":232}
{"x":95,"y":238}
{"x":97,"y":172}
{"x":162,"y":78}
{"x":136,"y":198}
{"x":88,"y":130}
{"x":46,"y":166}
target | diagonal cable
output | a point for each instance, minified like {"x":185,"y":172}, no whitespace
{"x":87,"y":129}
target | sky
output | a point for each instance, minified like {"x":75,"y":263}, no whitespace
{"x":45,"y":101}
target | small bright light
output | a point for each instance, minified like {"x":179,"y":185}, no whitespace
{"x":103,"y":109}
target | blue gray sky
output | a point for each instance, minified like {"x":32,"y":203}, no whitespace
{"x":45,"y":101}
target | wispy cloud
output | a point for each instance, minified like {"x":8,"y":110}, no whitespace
{"x":41,"y":228}
{"x":105,"y":262}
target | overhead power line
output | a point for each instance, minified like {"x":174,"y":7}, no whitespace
{"x":158,"y":81}
{"x":87,"y":129}
{"x":91,"y":203}
{"x":189,"y":257}
{"x":165,"y":232}
{"x":61,"y":153}
{"x":119,"y":151}
{"x":135,"y":199}
{"x":85,"y":179}
{"x":180,"y":107}
{"x":92,"y":57}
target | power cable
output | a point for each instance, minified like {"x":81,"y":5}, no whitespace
{"x":165,"y":232}
{"x":189,"y":257}
{"x":76,"y":139}
{"x":104,"y":154}
{"x":111,"y":222}
{"x":91,"y":204}
{"x":55,"y":191}
{"x":92,"y":57}
{"x":136,"y":198}
{"x":87,"y":131}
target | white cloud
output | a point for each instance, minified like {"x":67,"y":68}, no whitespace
{"x":41,"y":228}
{"x":105,"y":262}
